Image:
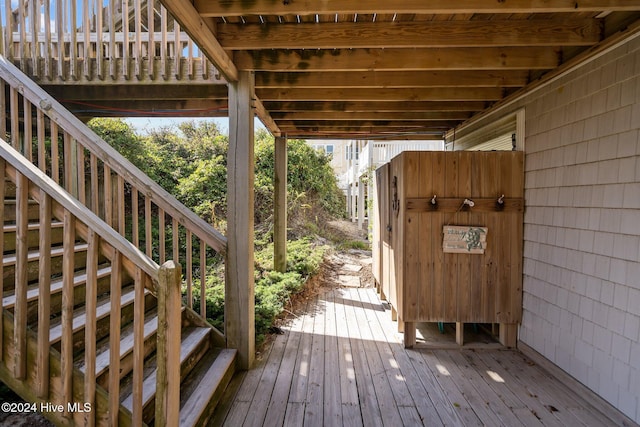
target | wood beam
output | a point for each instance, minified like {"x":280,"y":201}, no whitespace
{"x":400,"y":94}
{"x":280,"y":205}
{"x":346,"y":35}
{"x":457,"y":78}
{"x":150,"y":108}
{"x":485,"y":58}
{"x":308,"y":7}
{"x":377,"y":134}
{"x":239,"y":288}
{"x":140,"y":92}
{"x":200,"y":32}
{"x":382,"y":106}
{"x":410,"y":124}
{"x":371,"y":115}
{"x":265,"y":118}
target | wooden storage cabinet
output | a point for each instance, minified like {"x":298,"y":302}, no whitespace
{"x":421,"y":281}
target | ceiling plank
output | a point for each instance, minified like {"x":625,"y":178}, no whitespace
{"x":345,"y":35}
{"x":379,"y":136}
{"x":371,"y":115}
{"x":489,"y":78}
{"x":386,"y":106}
{"x":308,"y":7}
{"x":202,"y":35}
{"x":514,"y":58}
{"x":367,"y":94}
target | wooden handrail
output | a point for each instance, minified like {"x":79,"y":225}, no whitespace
{"x":79,"y":211}
{"x":114,"y":160}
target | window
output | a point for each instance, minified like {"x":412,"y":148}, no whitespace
{"x":350,"y":152}
{"x":328,"y":149}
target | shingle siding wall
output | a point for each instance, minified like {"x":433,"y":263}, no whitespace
{"x":582,"y":225}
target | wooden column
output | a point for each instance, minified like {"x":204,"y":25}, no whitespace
{"x":239,"y":296}
{"x":280,"y":206}
{"x":360,"y":203}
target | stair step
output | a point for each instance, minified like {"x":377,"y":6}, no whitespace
{"x":9,"y":263}
{"x":33,"y":256}
{"x":103,"y":310}
{"x":33,"y":235}
{"x":56,"y":287}
{"x":126,"y":345}
{"x":33,"y":211}
{"x":192,"y":340}
{"x":211,"y":378}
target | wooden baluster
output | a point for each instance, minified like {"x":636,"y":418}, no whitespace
{"x":8,"y":41}
{"x":60,"y":34}
{"x":99,"y":46}
{"x":42,"y":149}
{"x":161,"y":236}
{"x":3,"y":167}
{"x":73,"y":43}
{"x":120,"y":206}
{"x":203,"y":279}
{"x":163,"y":46}
{"x":112,"y":40}
{"x":3,"y":110}
{"x":126,"y":51}
{"x":108,"y":196}
{"x":34,"y":20}
{"x":151,"y":12}
{"x":177,"y":45}
{"x":44,"y":297}
{"x":68,"y":162}
{"x":135,"y":234}
{"x":91,"y":302}
{"x":168,"y":348}
{"x":190,"y":58}
{"x":27,"y":142}
{"x":81,"y":175}
{"x":48,"y":39}
{"x":55,"y":153}
{"x":138,"y":42}
{"x":148,"y":233}
{"x":66,"y":346}
{"x":21,"y":277}
{"x":176,"y":240}
{"x":23,"y":33}
{"x":15,"y":118}
{"x":95,"y":184}
{"x":86,"y":25}
{"x":189,"y":269}
{"x":138,"y":347}
{"x":114,"y":338}
{"x":205,"y":64}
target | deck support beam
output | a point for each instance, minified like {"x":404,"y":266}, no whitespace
{"x":239,"y":306}
{"x":280,"y":205}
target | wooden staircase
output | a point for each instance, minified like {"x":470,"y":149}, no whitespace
{"x":205,"y":370}
{"x":93,"y":329}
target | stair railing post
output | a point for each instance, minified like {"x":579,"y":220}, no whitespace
{"x":168,"y":344}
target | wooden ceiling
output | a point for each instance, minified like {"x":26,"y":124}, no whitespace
{"x":402,"y":69}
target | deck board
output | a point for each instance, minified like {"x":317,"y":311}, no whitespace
{"x":341,"y":361}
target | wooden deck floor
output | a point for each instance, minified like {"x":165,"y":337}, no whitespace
{"x":341,"y":362}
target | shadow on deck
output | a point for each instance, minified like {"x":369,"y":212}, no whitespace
{"x":341,"y":362}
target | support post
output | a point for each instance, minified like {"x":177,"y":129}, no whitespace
{"x":409,"y":334}
{"x":280,"y":206}
{"x":460,"y":333}
{"x":239,"y":288}
{"x":168,"y":338}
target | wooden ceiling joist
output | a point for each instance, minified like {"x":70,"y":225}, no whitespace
{"x":398,"y":79}
{"x":388,"y":106}
{"x":370,"y":115}
{"x":208,"y":8}
{"x":347,"y":35}
{"x":138,"y":92}
{"x":486,"y":58}
{"x":399,"y":94}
